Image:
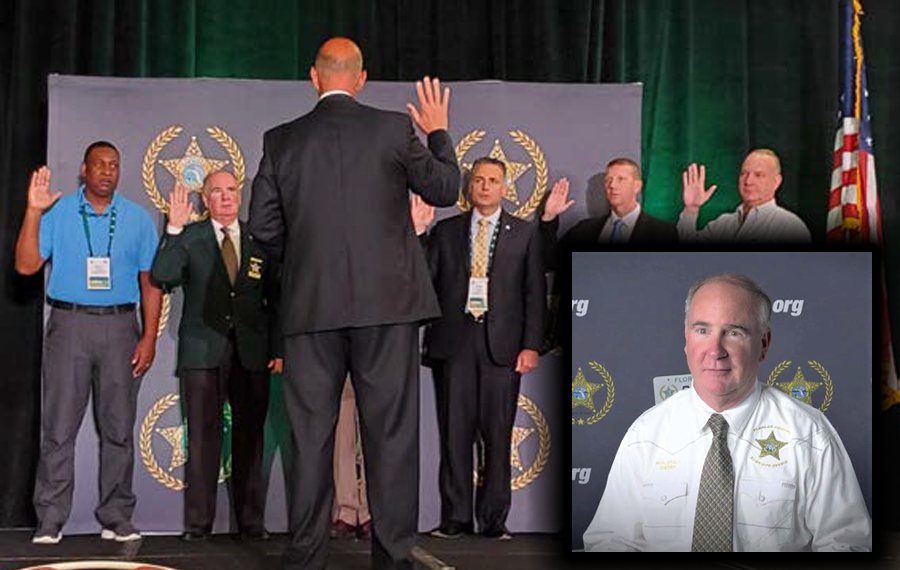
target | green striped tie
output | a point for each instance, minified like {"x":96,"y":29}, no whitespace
{"x":714,"y":518}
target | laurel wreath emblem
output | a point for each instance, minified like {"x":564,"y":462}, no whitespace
{"x":610,"y":394}
{"x":826,"y":377}
{"x":145,"y":445}
{"x":543,"y":454}
{"x":537,"y":156}
{"x":164,"y":314}
{"x":169,"y":134}
{"x":540,"y":461}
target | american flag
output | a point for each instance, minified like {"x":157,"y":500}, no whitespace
{"x":853,"y":212}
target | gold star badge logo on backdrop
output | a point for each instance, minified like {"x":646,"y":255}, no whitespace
{"x":190,"y":168}
{"x":175,"y":437}
{"x":801,"y":388}
{"x":583,"y":395}
{"x":514,"y":169}
{"x":193,"y":167}
{"x":583,"y":392}
{"x":770,"y":446}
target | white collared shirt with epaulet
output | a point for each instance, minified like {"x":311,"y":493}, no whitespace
{"x":795,"y":488}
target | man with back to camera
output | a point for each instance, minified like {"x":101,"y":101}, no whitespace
{"x":487,"y":270}
{"x":626,"y":223}
{"x":757,"y":219}
{"x":226,"y":349}
{"x":100,"y":246}
{"x":332,"y":195}
{"x":747,"y":467}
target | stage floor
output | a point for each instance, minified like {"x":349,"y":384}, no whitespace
{"x":222,"y":552}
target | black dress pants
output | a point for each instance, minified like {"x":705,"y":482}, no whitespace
{"x":475,"y":398}
{"x":205,"y":393}
{"x":383,"y":362}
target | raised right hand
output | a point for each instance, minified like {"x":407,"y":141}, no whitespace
{"x":434,"y":106}
{"x":693,"y":184}
{"x":39,"y":196}
{"x":558,"y":200}
{"x":180,"y":208}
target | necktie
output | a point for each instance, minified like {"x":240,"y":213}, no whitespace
{"x":618,"y":232}
{"x":480,"y":257}
{"x":713,"y":521}
{"x":480,"y":251}
{"x":229,"y":256}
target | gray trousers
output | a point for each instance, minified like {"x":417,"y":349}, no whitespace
{"x":84,"y":352}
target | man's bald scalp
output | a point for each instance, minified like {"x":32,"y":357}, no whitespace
{"x":339,"y":56}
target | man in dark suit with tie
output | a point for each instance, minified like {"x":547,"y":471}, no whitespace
{"x":626,"y":223}
{"x":226,"y":349}
{"x":331,"y":196}
{"x":487,"y":269}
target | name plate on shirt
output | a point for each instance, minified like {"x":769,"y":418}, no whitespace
{"x":478,"y":294}
{"x":99,"y":274}
{"x":665,"y":387}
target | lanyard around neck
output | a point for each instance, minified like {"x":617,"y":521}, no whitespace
{"x":87,"y":230}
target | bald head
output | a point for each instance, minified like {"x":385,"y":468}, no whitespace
{"x":339,"y":65}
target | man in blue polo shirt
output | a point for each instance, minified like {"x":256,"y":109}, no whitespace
{"x":100,"y":246}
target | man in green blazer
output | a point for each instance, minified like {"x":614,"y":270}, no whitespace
{"x":226,"y":349}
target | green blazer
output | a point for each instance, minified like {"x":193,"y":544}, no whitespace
{"x":193,"y":261}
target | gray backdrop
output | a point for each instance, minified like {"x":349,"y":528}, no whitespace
{"x":633,"y":327}
{"x":551,"y":130}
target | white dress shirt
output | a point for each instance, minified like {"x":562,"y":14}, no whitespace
{"x":628,"y":220}
{"x":767,"y":223}
{"x":804,"y":496}
{"x":492,"y":220}
{"x":335,"y":92}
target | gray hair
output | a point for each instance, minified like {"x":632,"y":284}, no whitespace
{"x":763,"y":303}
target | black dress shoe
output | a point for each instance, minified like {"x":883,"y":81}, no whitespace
{"x":194,"y":536}
{"x":452,"y":529}
{"x":257,"y":535}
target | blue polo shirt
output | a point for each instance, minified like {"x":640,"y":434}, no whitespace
{"x":63,"y":243}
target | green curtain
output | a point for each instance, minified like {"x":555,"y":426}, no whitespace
{"x":720,"y":77}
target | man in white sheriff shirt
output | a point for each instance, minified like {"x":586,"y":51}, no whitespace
{"x":734,"y":464}
{"x":758,"y":219}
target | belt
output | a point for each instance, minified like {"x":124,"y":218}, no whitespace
{"x":91,"y":309}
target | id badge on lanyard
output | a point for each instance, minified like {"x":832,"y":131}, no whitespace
{"x":99,"y":269}
{"x":478,"y":294}
{"x":99,"y":274}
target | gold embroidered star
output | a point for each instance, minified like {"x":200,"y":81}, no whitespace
{"x":518,"y":436}
{"x":583,"y":392}
{"x":193,"y":167}
{"x":513,"y":171}
{"x":800,"y":388}
{"x":770,"y":446}
{"x":175,"y":437}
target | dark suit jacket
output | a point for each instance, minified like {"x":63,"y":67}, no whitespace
{"x":647,"y":229}
{"x":193,"y":260}
{"x":331,"y":197}
{"x":516,"y":288}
